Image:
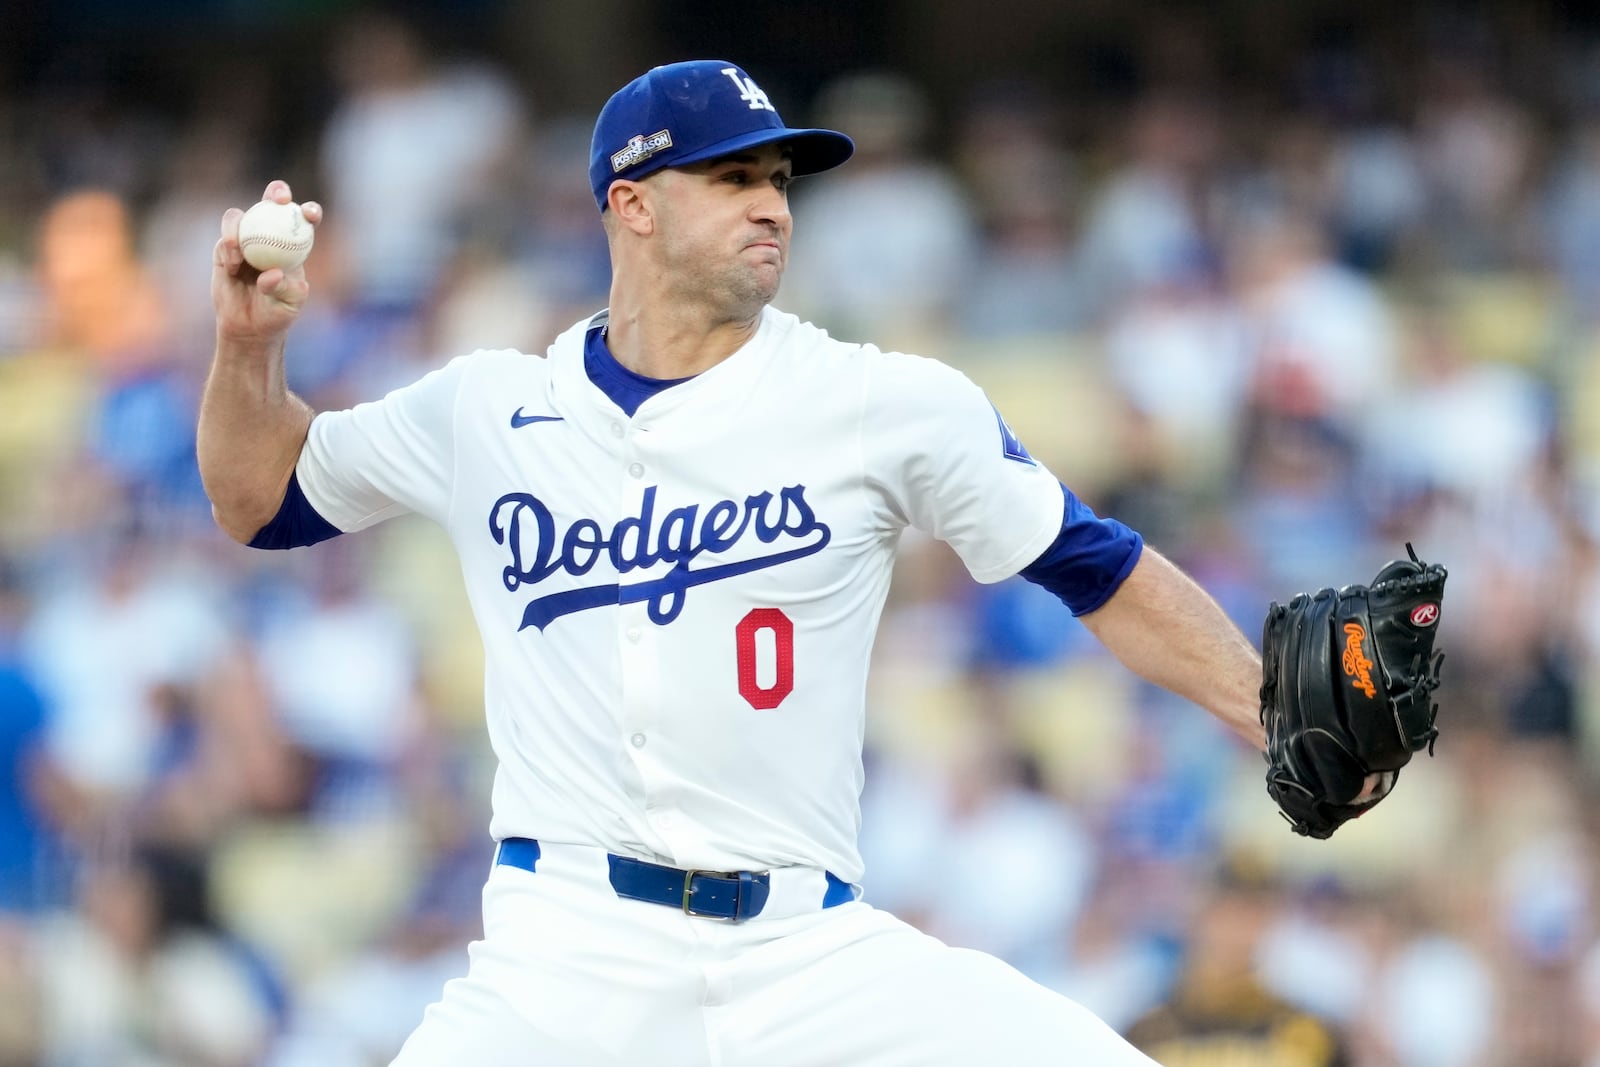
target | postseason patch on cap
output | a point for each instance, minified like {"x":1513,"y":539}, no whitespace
{"x":640,"y":148}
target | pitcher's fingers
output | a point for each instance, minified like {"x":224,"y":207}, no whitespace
{"x":277,"y":189}
{"x":270,"y":281}
{"x":228,"y":253}
{"x":312,"y":211}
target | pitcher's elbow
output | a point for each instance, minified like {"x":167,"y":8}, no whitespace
{"x":242,"y":531}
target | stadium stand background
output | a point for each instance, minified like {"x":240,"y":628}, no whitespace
{"x":1282,"y":285}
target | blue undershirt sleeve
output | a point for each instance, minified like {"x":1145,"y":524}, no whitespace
{"x":1088,"y":560}
{"x":296,"y":524}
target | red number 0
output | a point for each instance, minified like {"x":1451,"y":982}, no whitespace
{"x":775,"y":621}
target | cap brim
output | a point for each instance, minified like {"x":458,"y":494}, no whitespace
{"x":813,"y":151}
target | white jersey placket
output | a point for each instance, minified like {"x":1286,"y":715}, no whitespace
{"x":638,"y":649}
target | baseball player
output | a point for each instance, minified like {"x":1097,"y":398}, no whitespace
{"x":676,"y":529}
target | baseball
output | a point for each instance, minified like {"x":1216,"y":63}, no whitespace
{"x":274,"y":235}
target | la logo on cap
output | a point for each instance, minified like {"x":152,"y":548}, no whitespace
{"x":749,"y":91}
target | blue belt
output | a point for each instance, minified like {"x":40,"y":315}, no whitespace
{"x":731,"y":895}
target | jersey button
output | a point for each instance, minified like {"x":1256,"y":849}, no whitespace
{"x":637,"y":740}
{"x":634,"y":634}
{"x":616,"y":429}
{"x":636,"y":469}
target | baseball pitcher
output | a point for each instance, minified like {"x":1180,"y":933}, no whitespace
{"x":676,"y":527}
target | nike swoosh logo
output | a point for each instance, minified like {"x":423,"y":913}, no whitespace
{"x":519,"y":420}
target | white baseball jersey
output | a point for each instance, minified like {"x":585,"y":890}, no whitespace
{"x":678,"y":608}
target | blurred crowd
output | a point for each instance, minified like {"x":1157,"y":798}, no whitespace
{"x":243,"y":808}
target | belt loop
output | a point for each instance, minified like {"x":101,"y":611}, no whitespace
{"x":839,"y":892}
{"x":741,"y":900}
{"x":520,"y":852}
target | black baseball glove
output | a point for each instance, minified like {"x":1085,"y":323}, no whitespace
{"x":1347,"y":691}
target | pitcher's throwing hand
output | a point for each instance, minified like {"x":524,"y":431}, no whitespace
{"x":251,"y":303}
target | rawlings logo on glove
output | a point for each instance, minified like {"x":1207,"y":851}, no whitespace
{"x":1356,"y":664}
{"x":1347,"y":692}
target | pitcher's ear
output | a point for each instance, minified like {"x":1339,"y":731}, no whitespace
{"x":630,"y":203}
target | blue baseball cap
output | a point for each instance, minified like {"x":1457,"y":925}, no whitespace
{"x":690,"y":112}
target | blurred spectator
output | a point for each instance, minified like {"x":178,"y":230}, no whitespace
{"x":1158,"y":815}
{"x":136,"y":976}
{"x":103,"y":302}
{"x":1180,"y":355}
{"x":1150,"y":223}
{"x":1475,"y":149}
{"x":1322,"y":337}
{"x":1476,"y":431}
{"x":558,"y":242}
{"x":107,"y":306}
{"x":210,"y":168}
{"x":1219,"y":1011}
{"x":1298,"y":504}
{"x":885,"y":245}
{"x":341,"y":669}
{"x":413,"y":141}
{"x":1569,"y":218}
{"x":1025,"y":273}
{"x":997,"y":815}
{"x":1377,"y":197}
{"x":1543,"y":894}
{"x":1435,"y":1004}
{"x":1117,"y":963}
{"x":145,"y":623}
{"x":361,"y":1011}
{"x":1314,"y":954}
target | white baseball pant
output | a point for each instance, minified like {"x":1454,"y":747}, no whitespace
{"x":568,"y":974}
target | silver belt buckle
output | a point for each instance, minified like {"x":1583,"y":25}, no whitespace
{"x":688,"y":887}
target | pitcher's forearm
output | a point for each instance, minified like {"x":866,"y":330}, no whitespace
{"x":1167,"y":629}
{"x":249,"y":437}
{"x":251,"y":427}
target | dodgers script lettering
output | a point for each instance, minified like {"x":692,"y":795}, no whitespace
{"x":525,"y":525}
